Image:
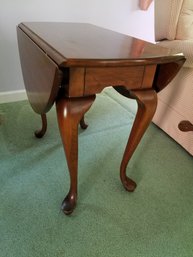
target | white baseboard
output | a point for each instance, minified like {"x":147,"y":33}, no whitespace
{"x":13,"y":96}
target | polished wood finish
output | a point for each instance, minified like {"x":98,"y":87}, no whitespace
{"x":68,"y":63}
{"x":70,"y":113}
{"x":40,"y":133}
{"x":96,"y":79}
{"x":185,"y":126}
{"x":86,"y":45}
{"x":42,"y":76}
{"x":83,"y":124}
{"x":165,"y":73}
{"x":147,"y":103}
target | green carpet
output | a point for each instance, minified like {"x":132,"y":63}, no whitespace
{"x":154,"y":221}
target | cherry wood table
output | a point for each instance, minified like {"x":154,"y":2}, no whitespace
{"x":68,"y":63}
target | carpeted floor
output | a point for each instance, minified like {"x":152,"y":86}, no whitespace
{"x":154,"y":221}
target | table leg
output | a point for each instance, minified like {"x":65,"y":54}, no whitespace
{"x":40,"y":133}
{"x":69,"y":113}
{"x":83,"y":125}
{"x":147,"y":103}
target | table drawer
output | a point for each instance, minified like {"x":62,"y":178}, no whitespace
{"x":96,"y":79}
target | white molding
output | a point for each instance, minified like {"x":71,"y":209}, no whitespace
{"x":12,"y":96}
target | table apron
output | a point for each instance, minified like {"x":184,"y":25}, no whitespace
{"x":92,"y":80}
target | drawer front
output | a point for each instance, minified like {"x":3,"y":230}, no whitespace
{"x":96,"y":79}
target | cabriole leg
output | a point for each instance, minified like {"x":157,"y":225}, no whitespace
{"x":83,"y":125}
{"x":69,"y":113}
{"x":40,"y":133}
{"x":147,"y":103}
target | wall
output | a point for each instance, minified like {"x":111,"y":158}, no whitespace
{"x":119,"y":15}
